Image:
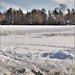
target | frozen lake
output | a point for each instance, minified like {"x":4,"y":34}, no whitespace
{"x":38,"y":48}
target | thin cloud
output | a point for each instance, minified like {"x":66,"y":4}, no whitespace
{"x":7,"y":5}
{"x":61,"y":1}
{"x":67,"y":2}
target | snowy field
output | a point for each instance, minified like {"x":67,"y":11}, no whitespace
{"x":37,"y":50}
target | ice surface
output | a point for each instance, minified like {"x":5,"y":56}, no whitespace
{"x":48,"y":49}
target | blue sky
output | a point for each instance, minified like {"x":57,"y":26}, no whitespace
{"x":28,"y":5}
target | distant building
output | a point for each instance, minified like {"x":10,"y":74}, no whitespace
{"x":4,"y":22}
{"x":64,"y":22}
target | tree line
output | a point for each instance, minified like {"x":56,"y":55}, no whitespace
{"x":38,"y":17}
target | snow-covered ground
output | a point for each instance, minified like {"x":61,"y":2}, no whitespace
{"x":37,"y":50}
